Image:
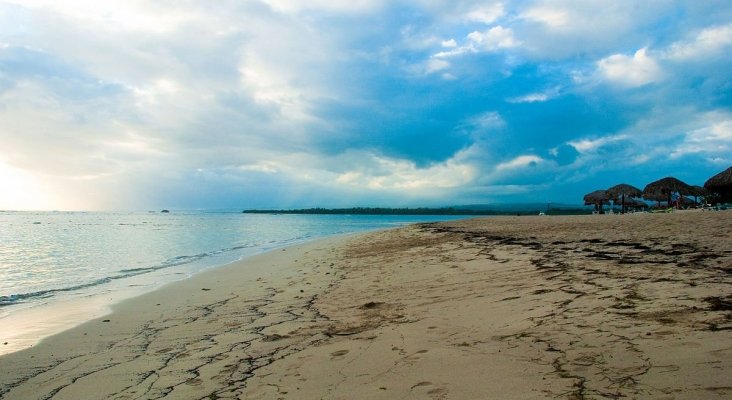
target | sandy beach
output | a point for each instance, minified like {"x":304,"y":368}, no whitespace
{"x":577,"y":307}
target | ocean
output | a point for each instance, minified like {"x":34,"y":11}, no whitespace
{"x":71,"y":266}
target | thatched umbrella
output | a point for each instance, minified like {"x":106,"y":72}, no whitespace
{"x":622,"y":191}
{"x":597,"y":198}
{"x":664,"y":188}
{"x":721,"y":184}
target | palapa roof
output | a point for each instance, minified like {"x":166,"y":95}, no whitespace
{"x":618,"y":191}
{"x":664,"y":187}
{"x":722,"y":180}
{"x":596,"y":197}
{"x":698,"y":191}
{"x":655,"y":196}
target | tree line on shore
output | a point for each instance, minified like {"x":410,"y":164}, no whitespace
{"x":418,"y":211}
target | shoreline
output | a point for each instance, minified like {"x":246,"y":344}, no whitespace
{"x":635,"y":305}
{"x":40,"y":300}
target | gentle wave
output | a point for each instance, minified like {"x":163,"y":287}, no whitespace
{"x":123,"y":273}
{"x":44,"y":294}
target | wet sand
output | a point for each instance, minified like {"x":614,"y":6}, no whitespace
{"x":601,"y":306}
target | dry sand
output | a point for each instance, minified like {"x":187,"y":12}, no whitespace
{"x":604,"y":306}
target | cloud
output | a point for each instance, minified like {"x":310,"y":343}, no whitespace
{"x":587,"y":145}
{"x":263,"y":167}
{"x":333,"y":6}
{"x":713,"y":140}
{"x":404,"y":175}
{"x":552,"y":17}
{"x":430,"y":66}
{"x":132,"y":16}
{"x":271,"y":84}
{"x":537,"y":97}
{"x":493,"y":39}
{"x":682,"y":142}
{"x":568,"y":29}
{"x":435,"y":64}
{"x":363,"y":171}
{"x":705,"y":43}
{"x":480,"y":125}
{"x":638,"y":70}
{"x":487,"y":120}
{"x":486,"y":14}
{"x":449,"y":43}
{"x":530,"y":98}
{"x":524,"y":161}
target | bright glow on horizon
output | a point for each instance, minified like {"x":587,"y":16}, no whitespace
{"x":20,"y":191}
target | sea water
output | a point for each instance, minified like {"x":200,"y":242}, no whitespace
{"x":73,"y":265}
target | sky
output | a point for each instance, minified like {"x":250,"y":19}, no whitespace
{"x":182,"y":104}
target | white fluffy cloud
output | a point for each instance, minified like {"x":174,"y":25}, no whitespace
{"x":450,"y":43}
{"x":494,"y":38}
{"x":388,"y":174}
{"x":490,"y":40}
{"x":631,"y":71}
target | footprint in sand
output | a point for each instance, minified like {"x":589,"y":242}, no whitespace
{"x":435,"y":393}
{"x":438,"y":393}
{"x":337,"y":354}
{"x":415,"y":356}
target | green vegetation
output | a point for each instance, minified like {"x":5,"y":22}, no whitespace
{"x":420,"y":211}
